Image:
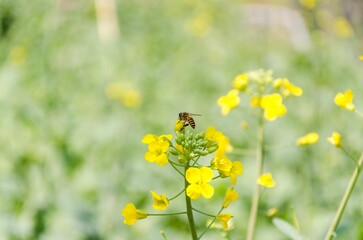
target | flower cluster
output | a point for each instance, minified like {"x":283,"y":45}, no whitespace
{"x":265,"y":92}
{"x":185,"y":157}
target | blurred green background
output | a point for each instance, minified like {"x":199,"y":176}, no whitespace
{"x":81,"y":83}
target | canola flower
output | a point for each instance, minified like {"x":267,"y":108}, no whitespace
{"x":131,"y":214}
{"x":345,"y":100}
{"x":187,"y":149}
{"x":240,"y":82}
{"x":273,"y":106}
{"x":224,"y":218}
{"x":228,"y":102}
{"x":266,"y":180}
{"x":157,"y":148}
{"x":160,"y":201}
{"x":308,"y":139}
{"x":264,"y":91}
{"x":335,"y":139}
{"x":231,"y":196}
{"x":199,"y":179}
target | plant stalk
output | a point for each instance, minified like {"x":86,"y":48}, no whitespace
{"x":189,"y":207}
{"x":344,"y":201}
{"x":256,"y":193}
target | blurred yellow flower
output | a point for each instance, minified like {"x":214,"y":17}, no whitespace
{"x":228,"y":102}
{"x":131,"y":214}
{"x":361,"y":57}
{"x":287,"y":88}
{"x":17,"y":55}
{"x":343,"y":28}
{"x":198,"y":179}
{"x":255,"y":101}
{"x":309,"y":138}
{"x":128,"y":96}
{"x":272,"y":212}
{"x":240,"y":82}
{"x":131,"y":98}
{"x":223,"y":218}
{"x":335,"y":139}
{"x":236,"y":170}
{"x":244,"y":124}
{"x":273,"y":106}
{"x":309,"y":4}
{"x":345,"y":100}
{"x":231,"y":196}
{"x":266,"y":180}
{"x":160,"y":201}
{"x":200,"y":25}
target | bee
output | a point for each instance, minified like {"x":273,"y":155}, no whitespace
{"x":187,"y":119}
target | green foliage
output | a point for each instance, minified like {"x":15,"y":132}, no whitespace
{"x":70,"y":152}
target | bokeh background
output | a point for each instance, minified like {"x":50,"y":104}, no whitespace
{"x":81,"y":83}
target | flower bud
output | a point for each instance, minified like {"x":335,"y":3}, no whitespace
{"x":212,"y":149}
{"x":174,"y":152}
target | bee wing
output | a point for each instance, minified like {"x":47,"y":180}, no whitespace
{"x":194,"y":114}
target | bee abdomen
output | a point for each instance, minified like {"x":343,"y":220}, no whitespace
{"x":191,"y":122}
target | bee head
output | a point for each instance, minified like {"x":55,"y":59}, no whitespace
{"x":180,"y":115}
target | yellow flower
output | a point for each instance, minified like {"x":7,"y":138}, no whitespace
{"x":266,"y":180}
{"x":228,"y":102}
{"x":222,"y":164}
{"x":17,"y":55}
{"x":273,"y":106}
{"x":200,"y":25}
{"x":224,"y":218}
{"x":227,"y":168}
{"x":158,"y":145}
{"x":309,"y":4}
{"x":127,"y":95}
{"x":309,"y":138}
{"x":160,"y":201}
{"x":231,"y":196}
{"x":343,"y":28}
{"x":236,"y":170}
{"x":361,"y":57}
{"x":216,"y":136}
{"x":240,"y":82}
{"x":131,"y":214}
{"x":211,"y":134}
{"x":131,"y":98}
{"x":179,"y":125}
{"x":244,"y":124}
{"x":287,"y":88}
{"x":255,"y":101}
{"x":198,"y":179}
{"x":335,"y":139}
{"x":272,"y":212}
{"x":345,"y":100}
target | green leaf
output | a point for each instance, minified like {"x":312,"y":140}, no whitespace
{"x":288,"y":229}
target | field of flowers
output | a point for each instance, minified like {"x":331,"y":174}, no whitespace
{"x":92,"y":145}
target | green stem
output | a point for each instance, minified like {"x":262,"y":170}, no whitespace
{"x":169,"y":199}
{"x":211,"y":223}
{"x":207,"y":214}
{"x":165,"y":214}
{"x":344,"y":201}
{"x":256,"y":194}
{"x":189,"y":208}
